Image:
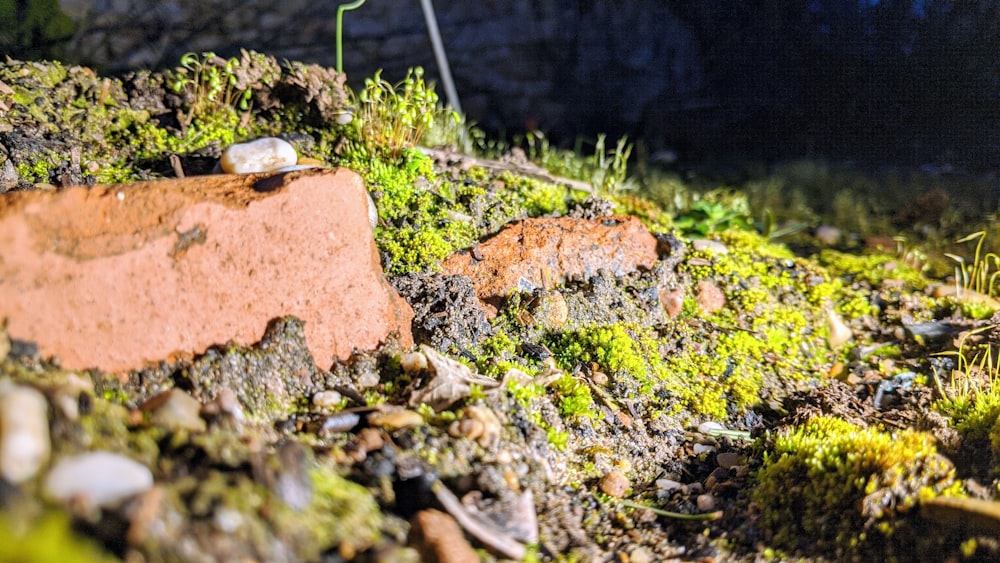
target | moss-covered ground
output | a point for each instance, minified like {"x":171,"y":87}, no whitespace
{"x":767,"y":389}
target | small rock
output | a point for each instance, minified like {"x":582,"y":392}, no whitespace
{"x":709,"y":426}
{"x":840,"y":333}
{"x":24,"y":432}
{"x":728,"y":460}
{"x":551,"y":312}
{"x":327,"y":400}
{"x":828,"y":235}
{"x":175,"y":410}
{"x":395,"y":419}
{"x":710,"y":298}
{"x":672,"y":301}
{"x":640,"y":555}
{"x":707,"y":245}
{"x":262,"y":155}
{"x":225,"y":403}
{"x":703,"y":449}
{"x":614,"y":484}
{"x":669,"y":485}
{"x":97,"y":478}
{"x":705,"y":502}
{"x":479,"y":424}
{"x":413,"y":362}
{"x":438,"y":538}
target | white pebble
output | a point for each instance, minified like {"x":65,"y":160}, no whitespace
{"x":705,"y":502}
{"x":705,"y":245}
{"x":326,"y":400}
{"x":828,"y":235}
{"x":24,"y":432}
{"x":97,"y":478}
{"x":710,"y":426}
{"x":262,"y":155}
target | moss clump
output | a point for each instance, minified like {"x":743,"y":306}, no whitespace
{"x":872,"y":268}
{"x":50,"y":538}
{"x":418,"y":225}
{"x":831,"y":486}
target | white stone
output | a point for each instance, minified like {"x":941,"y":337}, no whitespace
{"x":97,"y":478}
{"x":24,"y":432}
{"x":262,"y":155}
{"x":706,"y":245}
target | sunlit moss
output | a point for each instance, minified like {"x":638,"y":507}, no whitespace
{"x":829,"y":485}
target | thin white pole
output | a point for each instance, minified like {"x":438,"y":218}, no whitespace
{"x":440,"y":57}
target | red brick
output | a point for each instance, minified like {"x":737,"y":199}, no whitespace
{"x":113,"y":277}
{"x":546,"y":252}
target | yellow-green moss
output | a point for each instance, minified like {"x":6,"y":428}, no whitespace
{"x":871,"y":268}
{"x":50,"y":538}
{"x":830,"y":486}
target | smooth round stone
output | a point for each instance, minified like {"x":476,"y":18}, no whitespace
{"x":175,"y":410}
{"x":24,"y":432}
{"x":706,"y":245}
{"x":614,"y":484}
{"x":98,"y":478}
{"x":710,"y":426}
{"x":262,"y":155}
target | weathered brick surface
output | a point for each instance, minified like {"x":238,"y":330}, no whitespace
{"x":542,"y":253}
{"x":113,"y":277}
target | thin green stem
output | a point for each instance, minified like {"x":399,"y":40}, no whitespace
{"x":340,"y":31}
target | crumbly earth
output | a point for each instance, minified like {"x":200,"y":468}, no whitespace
{"x":645,"y":375}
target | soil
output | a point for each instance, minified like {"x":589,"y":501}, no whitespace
{"x":687,"y":497}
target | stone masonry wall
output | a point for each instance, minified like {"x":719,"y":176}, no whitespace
{"x":565,"y":67}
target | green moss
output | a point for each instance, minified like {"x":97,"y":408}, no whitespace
{"x":50,"y":538}
{"x":871,"y":268}
{"x":575,"y":400}
{"x":829,"y":485}
{"x":342,"y":513}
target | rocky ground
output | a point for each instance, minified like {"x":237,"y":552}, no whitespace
{"x":578,"y":382}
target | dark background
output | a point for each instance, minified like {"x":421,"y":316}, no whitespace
{"x":908,"y":82}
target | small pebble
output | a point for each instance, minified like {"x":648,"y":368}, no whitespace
{"x":413,"y":362}
{"x":709,"y":427}
{"x":395,"y":419}
{"x":667,"y":485}
{"x":728,"y":460}
{"x":614,"y":484}
{"x":175,"y":410}
{"x":262,"y":155}
{"x":640,"y":555}
{"x":672,"y":301}
{"x":840,"y":333}
{"x":709,"y":297}
{"x":24,"y":432}
{"x":97,"y":478}
{"x":705,"y":502}
{"x":703,"y":449}
{"x":715,"y":246}
{"x":552,"y":312}
{"x":326,"y":400}
{"x":828,"y":235}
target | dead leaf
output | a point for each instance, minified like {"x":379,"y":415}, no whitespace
{"x":450,"y":382}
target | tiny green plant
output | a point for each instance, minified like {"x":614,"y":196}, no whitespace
{"x":974,"y":377}
{"x":391,"y":118}
{"x":212,"y":83}
{"x":605,"y":170}
{"x":705,"y":217}
{"x":980,"y":276}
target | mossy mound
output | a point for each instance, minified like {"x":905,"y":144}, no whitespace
{"x":831,"y":487}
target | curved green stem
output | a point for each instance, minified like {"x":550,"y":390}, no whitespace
{"x":340,"y":27}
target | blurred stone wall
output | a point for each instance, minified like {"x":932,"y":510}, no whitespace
{"x":568,"y":68}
